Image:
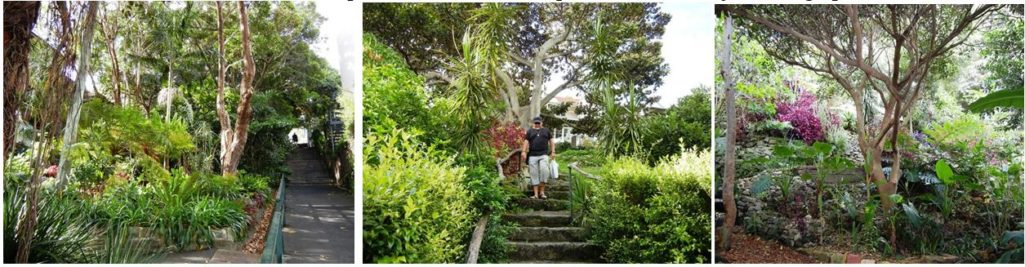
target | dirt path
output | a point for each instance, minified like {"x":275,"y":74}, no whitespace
{"x":752,"y":249}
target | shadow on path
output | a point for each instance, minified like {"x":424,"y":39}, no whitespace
{"x":318,"y":215}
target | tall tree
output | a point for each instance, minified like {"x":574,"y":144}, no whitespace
{"x":231,"y":149}
{"x":110,"y":28}
{"x":222,"y":111}
{"x":541,"y":40}
{"x":847,"y":44}
{"x":730,"y":157}
{"x":83,"y":72}
{"x":19,"y":18}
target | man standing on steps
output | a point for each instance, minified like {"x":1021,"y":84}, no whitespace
{"x":538,"y":149}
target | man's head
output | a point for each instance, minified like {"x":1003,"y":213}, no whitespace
{"x":537,"y":122}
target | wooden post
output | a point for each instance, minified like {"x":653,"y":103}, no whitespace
{"x":729,"y":167}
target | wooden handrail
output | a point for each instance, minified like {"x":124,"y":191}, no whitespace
{"x":575,"y":166}
{"x":473,"y":252}
{"x":478,"y":237}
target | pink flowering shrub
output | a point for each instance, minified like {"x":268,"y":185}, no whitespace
{"x":504,"y":137}
{"x":801,"y":115}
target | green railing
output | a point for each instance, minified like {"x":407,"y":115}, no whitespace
{"x":274,"y":245}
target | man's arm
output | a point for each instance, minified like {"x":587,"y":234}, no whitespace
{"x":551,"y":145}
{"x":523,"y":149}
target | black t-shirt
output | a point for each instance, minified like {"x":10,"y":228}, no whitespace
{"x":538,"y":139}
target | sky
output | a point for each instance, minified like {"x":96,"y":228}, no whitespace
{"x":687,"y":46}
{"x":341,"y":37}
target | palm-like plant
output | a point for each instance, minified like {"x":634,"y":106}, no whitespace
{"x":475,"y":85}
{"x":620,"y":124}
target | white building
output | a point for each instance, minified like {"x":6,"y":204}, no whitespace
{"x":565,"y":134}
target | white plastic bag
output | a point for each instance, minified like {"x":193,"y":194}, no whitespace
{"x":555,"y":169}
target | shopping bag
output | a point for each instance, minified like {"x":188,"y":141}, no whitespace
{"x":555,"y":169}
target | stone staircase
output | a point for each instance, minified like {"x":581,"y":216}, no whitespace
{"x":319,"y":216}
{"x":308,"y":168}
{"x":545,"y":232}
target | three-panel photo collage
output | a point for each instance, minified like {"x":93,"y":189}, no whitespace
{"x":524,"y":132}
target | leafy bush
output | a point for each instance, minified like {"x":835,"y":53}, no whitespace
{"x":422,"y":212}
{"x":393,"y":95}
{"x":684,"y":125}
{"x":801,"y":115}
{"x":660,"y":214}
{"x":505,"y":137}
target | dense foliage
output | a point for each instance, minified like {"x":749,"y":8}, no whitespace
{"x":422,"y":210}
{"x":654,"y":214}
{"x":421,"y":132}
{"x":960,"y":187}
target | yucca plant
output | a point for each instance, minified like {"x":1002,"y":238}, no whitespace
{"x":120,"y":246}
{"x":62,"y":231}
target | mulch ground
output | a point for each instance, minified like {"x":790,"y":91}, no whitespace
{"x":256,"y":240}
{"x":752,"y":249}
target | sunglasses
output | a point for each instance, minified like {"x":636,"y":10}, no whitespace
{"x":537,"y":122}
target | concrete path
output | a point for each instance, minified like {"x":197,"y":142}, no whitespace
{"x":318,"y":215}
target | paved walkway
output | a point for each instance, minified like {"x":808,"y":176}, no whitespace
{"x":318,"y":215}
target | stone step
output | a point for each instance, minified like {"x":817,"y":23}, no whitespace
{"x":554,"y":251}
{"x":548,"y":234}
{"x":552,"y":194}
{"x":540,"y":218}
{"x":306,"y":182}
{"x":542,"y":204}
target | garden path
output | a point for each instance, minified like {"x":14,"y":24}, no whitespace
{"x":319,"y":217}
{"x":545,"y":231}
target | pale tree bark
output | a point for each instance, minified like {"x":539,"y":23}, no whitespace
{"x":71,"y":126}
{"x":222,"y":112}
{"x":231,"y":157}
{"x":19,"y":18}
{"x":730,"y":157}
{"x":537,"y":66}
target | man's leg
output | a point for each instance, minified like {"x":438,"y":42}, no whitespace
{"x":535,"y":178}
{"x":544,"y":172}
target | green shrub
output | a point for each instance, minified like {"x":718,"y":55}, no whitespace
{"x":421,"y":211}
{"x":653,"y":215}
{"x":488,"y":196}
{"x":686,"y":124}
{"x":62,"y":227}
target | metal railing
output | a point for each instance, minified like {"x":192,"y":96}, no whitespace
{"x":274,"y":245}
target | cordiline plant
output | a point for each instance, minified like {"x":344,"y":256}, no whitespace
{"x":801,"y":115}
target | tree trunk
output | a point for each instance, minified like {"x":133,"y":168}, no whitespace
{"x":729,"y":167}
{"x":110,"y":31}
{"x":19,"y":18}
{"x":222,"y":112}
{"x":71,"y":126}
{"x":230,"y":159}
